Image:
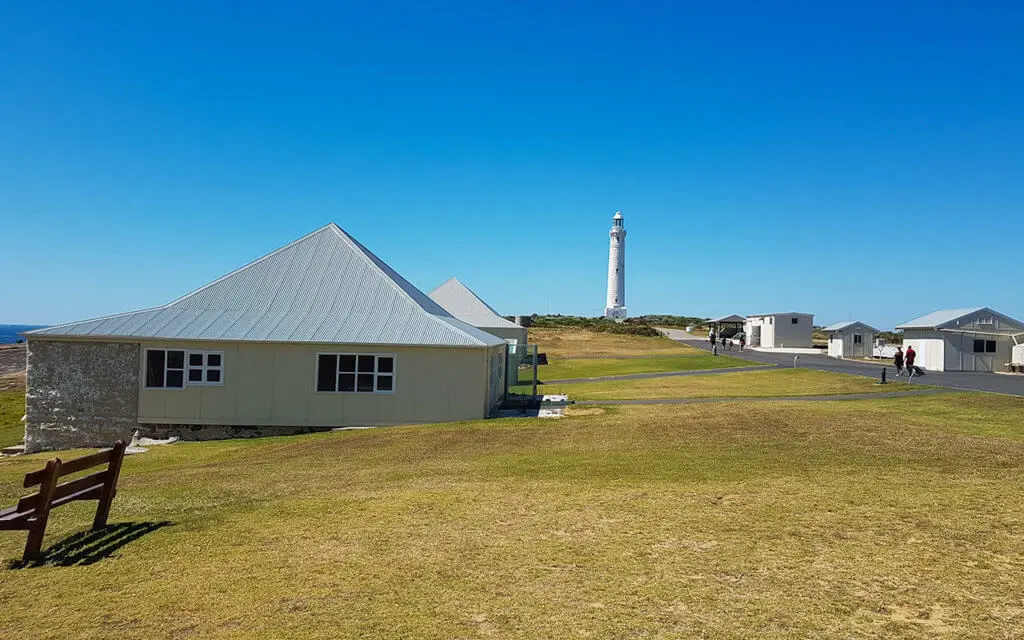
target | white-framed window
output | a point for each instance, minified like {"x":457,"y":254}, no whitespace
{"x":986,"y":320}
{"x":794,"y":320}
{"x":356,"y":372}
{"x":205,"y":367}
{"x":858,"y":339}
{"x":176,"y":368}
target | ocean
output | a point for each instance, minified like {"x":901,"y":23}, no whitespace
{"x":9,"y":332}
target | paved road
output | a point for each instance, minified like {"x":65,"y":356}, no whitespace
{"x":848,"y":396}
{"x":993,"y":382}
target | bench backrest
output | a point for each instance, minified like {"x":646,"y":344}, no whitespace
{"x":89,"y":487}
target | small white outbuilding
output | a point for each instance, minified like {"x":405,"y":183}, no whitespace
{"x":972,"y":339}
{"x":460,"y":301}
{"x":780,"y":330}
{"x":850,"y":339}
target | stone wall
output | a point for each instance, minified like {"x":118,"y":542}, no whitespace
{"x":80,"y":394}
{"x":218,"y":432}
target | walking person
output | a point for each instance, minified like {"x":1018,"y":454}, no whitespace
{"x":743,"y":341}
{"x":897,"y":361}
{"x":725,"y":342}
{"x":711,"y":337}
{"x":909,"y":358}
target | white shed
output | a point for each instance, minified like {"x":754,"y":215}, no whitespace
{"x":973,"y":339}
{"x":780,"y":330}
{"x":850,"y":339}
{"x":460,"y":301}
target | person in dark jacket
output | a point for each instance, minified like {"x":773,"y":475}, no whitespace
{"x":909,"y":358}
{"x":743,"y":342}
{"x":897,"y":361}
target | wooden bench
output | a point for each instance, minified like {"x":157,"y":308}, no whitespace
{"x":32,"y":512}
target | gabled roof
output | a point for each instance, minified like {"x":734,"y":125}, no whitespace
{"x":732,"y":318}
{"x":839,"y":326}
{"x":458,"y":300}
{"x":323,"y":288}
{"x":949,"y":317}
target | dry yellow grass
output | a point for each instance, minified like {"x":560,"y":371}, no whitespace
{"x":578,"y":342}
{"x":879,"y":518}
{"x":770,"y":382}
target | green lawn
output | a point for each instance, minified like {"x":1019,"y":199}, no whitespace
{"x":770,"y":382}
{"x":595,"y":367}
{"x":869,"y":518}
{"x":12,"y":408}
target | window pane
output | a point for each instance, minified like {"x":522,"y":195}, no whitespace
{"x":365,"y":382}
{"x":154,"y":368}
{"x":386,"y":364}
{"x":348,"y":363}
{"x":175,"y":360}
{"x":795,"y":320}
{"x":385,"y":383}
{"x":195,"y":359}
{"x":979,"y":346}
{"x":990,"y":346}
{"x":175,"y":379}
{"x":195,"y":375}
{"x":325,"y":376}
{"x":213,"y":359}
{"x":347,"y":382}
{"x":213,"y":375}
{"x":366,"y":364}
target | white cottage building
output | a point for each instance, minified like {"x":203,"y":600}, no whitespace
{"x":780,"y":330}
{"x":972,"y":339}
{"x":850,"y":339}
{"x":318,"y":334}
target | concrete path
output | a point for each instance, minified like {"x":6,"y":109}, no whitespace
{"x":848,"y":396}
{"x":659,"y":374}
{"x":963,"y":381}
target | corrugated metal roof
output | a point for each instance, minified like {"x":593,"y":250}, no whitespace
{"x":458,"y":300}
{"x":939,"y":318}
{"x":732,"y":318}
{"x":949,"y":318}
{"x":325,"y":287}
{"x":839,"y":326}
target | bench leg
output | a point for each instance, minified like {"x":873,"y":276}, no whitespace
{"x":103,"y":510}
{"x":34,"y":544}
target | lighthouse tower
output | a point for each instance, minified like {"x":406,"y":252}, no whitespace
{"x":616,"y":306}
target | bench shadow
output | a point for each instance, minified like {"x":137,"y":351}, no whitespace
{"x":89,"y":547}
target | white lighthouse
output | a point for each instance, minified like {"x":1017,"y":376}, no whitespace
{"x":616,"y":306}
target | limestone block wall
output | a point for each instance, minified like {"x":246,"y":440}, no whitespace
{"x":80,"y":394}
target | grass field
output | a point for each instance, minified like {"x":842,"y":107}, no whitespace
{"x":770,"y":382}
{"x":594,"y":367}
{"x":12,"y":408}
{"x":831,"y":519}
{"x":574,"y":353}
{"x":581,"y":343}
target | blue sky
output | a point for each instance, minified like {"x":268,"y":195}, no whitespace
{"x":863,"y":160}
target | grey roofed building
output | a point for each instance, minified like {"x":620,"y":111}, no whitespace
{"x":968,"y":339}
{"x":325,"y":287}
{"x":316,"y":335}
{"x":460,"y":301}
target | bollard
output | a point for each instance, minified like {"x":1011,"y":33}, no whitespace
{"x":795,"y":358}
{"x":911,"y":378}
{"x":883,"y":375}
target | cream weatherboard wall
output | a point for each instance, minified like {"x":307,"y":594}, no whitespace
{"x":275,"y":385}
